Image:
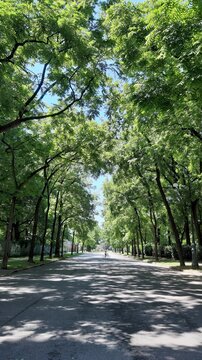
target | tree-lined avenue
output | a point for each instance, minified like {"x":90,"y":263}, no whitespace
{"x":94,"y":308}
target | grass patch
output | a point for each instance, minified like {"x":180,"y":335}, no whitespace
{"x":19,"y":263}
{"x":171,"y":263}
{"x":16,"y":263}
{"x":168,"y":263}
{"x":69,"y":255}
{"x":163,"y":261}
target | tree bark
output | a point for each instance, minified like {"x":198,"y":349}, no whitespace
{"x":82,"y":248}
{"x":36,"y":214}
{"x":53,"y":226}
{"x":34,"y":231}
{"x":57,"y":244}
{"x":186,"y":231}
{"x":195,"y":264}
{"x":171,"y":218}
{"x":72,"y":247}
{"x":140,"y":232}
{"x":45,"y":225}
{"x":17,"y":232}
{"x":169,"y":238}
{"x":153,"y":218}
{"x":7,"y":242}
{"x":132,"y":247}
{"x":62,"y":240}
{"x":194,"y":210}
{"x":138,"y":245}
{"x":155,"y":229}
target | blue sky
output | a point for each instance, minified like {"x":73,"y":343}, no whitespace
{"x":98,"y":190}
{"x":96,"y":184}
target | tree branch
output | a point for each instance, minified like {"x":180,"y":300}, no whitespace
{"x":20,"y":120}
{"x":19,"y":44}
{"x":12,"y":160}
{"x":22,"y":111}
{"x":193,"y":132}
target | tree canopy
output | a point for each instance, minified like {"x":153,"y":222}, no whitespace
{"x":94,"y":87}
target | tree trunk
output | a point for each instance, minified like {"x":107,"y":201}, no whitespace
{"x":82,"y":248}
{"x":195,"y":264}
{"x":45,"y":226}
{"x":194,"y":210}
{"x":53,"y":226}
{"x":138,"y":245}
{"x":155,"y":245}
{"x":159,"y":235}
{"x":72,"y":247}
{"x":155,"y":229}
{"x":171,"y":218}
{"x":62,"y":240}
{"x":17,"y":232}
{"x":140,"y":233}
{"x":132,"y":247}
{"x":153,"y":220}
{"x":186,"y":231}
{"x":169,"y":238}
{"x":57,"y":244}
{"x":36,"y":215}
{"x":7,"y":242}
{"x":34,"y":231}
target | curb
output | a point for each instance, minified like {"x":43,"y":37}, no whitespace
{"x":10,"y":272}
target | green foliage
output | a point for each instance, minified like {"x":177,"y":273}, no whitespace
{"x":63,"y":64}
{"x":155,"y":116}
{"x":52,"y":57}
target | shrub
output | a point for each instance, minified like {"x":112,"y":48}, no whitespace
{"x":187,"y":253}
{"x":168,"y":252}
{"x":199,"y":252}
{"x":148,"y":250}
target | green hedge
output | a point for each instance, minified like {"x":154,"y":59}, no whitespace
{"x":170,"y":251}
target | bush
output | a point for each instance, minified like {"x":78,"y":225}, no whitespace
{"x":148,"y":249}
{"x":199,"y":252}
{"x":174,"y":253}
{"x":187,"y":253}
{"x":168,"y":252}
{"x":161,"y":251}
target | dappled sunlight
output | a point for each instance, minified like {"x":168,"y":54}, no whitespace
{"x":186,"y":301}
{"x":82,"y":278}
{"x":23,"y":290}
{"x":109,"y":304}
{"x":52,"y":298}
{"x":11,"y":299}
{"x":12,"y":334}
{"x":89,"y":332}
{"x":160,"y":337}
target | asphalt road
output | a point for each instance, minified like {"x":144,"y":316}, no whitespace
{"x":92,"y":308}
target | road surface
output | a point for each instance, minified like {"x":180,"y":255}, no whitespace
{"x":92,"y":308}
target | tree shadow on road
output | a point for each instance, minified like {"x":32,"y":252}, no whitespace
{"x":96,"y":308}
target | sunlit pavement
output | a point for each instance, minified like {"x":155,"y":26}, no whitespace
{"x":92,"y":308}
